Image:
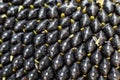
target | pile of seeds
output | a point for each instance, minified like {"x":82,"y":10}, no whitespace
{"x":59,"y":40}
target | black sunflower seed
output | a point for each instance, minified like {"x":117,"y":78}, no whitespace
{"x":115,"y":59}
{"x":20,"y":73}
{"x":39,"y":3}
{"x":12,"y":77}
{"x":6,"y":35}
{"x":3,"y":7}
{"x":96,"y":57}
{"x":42,"y":12}
{"x":109,"y":6}
{"x":59,"y":40}
{"x":80,"y":53}
{"x":74,"y":71}
{"x":63,"y":73}
{"x":16,"y":49}
{"x":9,"y":23}
{"x":85,"y":65}
{"x":27,"y":3}
{"x":28,"y":51}
{"x":102,"y":15}
{"x":33,"y":13}
{"x":17,"y":62}
{"x":40,"y":52}
{"x":93,"y":74}
{"x":29,"y":64}
{"x":12,"y":11}
{"x":92,"y":9}
{"x":114,"y":74}
{"x":104,"y":67}
{"x":33,"y":74}
{"x":5,"y":58}
{"x":48,"y":74}
{"x":5,"y":46}
{"x":17,"y":2}
{"x":22,"y":14}
{"x":7,"y":70}
{"x":28,"y":38}
{"x":58,"y":62}
{"x":19,"y":26}
{"x":44,"y":63}
{"x":16,"y":38}
{"x":53,"y":50}
{"x":69,"y":57}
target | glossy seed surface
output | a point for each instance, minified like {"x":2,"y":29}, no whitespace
{"x":59,"y":40}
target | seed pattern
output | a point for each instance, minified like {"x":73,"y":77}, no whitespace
{"x":59,"y":40}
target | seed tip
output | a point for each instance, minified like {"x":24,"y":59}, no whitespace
{"x":58,"y":4}
{"x":36,"y":61}
{"x":62,"y":15}
{"x":92,"y":18}
{"x":84,"y":10}
{"x":59,"y":27}
{"x":11,"y":57}
{"x":32,"y":6}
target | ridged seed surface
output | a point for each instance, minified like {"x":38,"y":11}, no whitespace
{"x":59,"y":40}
